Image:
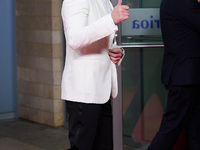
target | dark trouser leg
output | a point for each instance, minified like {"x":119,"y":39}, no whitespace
{"x":85,"y":122}
{"x":180,"y":107}
{"x":193,"y":126}
{"x":104,"y":136}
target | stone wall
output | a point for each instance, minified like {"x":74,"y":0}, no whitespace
{"x":39,"y":60}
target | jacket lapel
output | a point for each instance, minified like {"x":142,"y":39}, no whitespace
{"x":111,"y":37}
{"x":102,"y":12}
{"x":111,"y":6}
{"x":101,"y":8}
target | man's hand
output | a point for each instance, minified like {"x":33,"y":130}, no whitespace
{"x":120,"y":13}
{"x":115,"y":55}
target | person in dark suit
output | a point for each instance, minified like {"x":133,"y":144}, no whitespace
{"x":180,"y":25}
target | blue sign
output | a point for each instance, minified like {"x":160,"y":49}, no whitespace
{"x":142,"y":21}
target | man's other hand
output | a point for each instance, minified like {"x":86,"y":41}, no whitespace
{"x":115,"y":55}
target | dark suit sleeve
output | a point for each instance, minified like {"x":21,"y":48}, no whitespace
{"x":189,"y":13}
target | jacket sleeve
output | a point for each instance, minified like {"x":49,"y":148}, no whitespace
{"x":78,"y":32}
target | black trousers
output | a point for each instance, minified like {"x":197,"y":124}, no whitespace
{"x":183,"y":111}
{"x":90,"y":126}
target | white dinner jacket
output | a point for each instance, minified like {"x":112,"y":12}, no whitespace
{"x":89,"y":75}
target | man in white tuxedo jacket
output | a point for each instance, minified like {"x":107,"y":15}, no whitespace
{"x":89,"y":78}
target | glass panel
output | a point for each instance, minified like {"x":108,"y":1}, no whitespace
{"x":144,"y":96}
{"x":143,"y":25}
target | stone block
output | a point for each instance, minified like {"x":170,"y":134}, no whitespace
{"x":57,"y":78}
{"x":58,"y":106}
{"x":56,"y":92}
{"x":57,"y":51}
{"x":56,"y":23}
